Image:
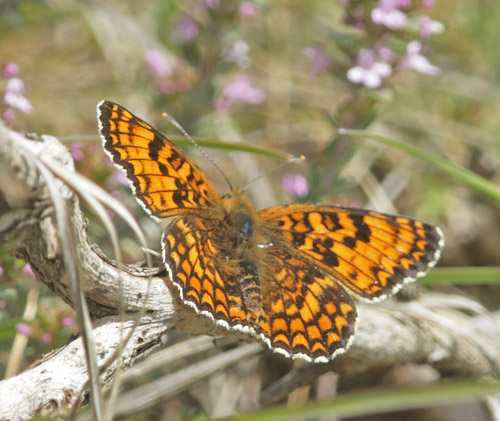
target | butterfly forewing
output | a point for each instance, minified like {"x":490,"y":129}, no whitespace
{"x":370,"y":253}
{"x":165,"y":181}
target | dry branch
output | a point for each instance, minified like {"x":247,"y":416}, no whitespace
{"x":453,"y":334}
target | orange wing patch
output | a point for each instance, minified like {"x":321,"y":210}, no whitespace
{"x":371,"y":253}
{"x":305,"y":313}
{"x":165,"y":181}
{"x":197,"y":267}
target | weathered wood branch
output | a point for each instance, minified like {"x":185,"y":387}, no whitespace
{"x":432,"y":330}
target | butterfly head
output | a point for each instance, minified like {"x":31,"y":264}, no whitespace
{"x":239,"y":214}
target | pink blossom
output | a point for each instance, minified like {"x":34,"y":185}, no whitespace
{"x":1,"y":271}
{"x":403,"y":4}
{"x":388,"y":14}
{"x":167,"y":87}
{"x":46,"y":338}
{"x":239,"y":90}
{"x":187,"y":28}
{"x":369,"y":72}
{"x":295,"y":184}
{"x":67,"y":322}
{"x":28,"y":271}
{"x":238,"y":53}
{"x":428,"y":3}
{"x":76,"y":151}
{"x":19,"y":102}
{"x":248,"y":9}
{"x":119,"y":178}
{"x":382,"y":50}
{"x":319,"y":60}
{"x":202,"y":5}
{"x":416,"y":61}
{"x":24,"y":329}
{"x":3,"y":303}
{"x":158,"y":63}
{"x":429,"y":27}
{"x":10,"y":70}
{"x":15,"y":86}
{"x":14,"y":95}
{"x":171,"y":87}
{"x":211,"y":4}
{"x":9,"y":114}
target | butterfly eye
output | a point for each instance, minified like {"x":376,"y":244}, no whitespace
{"x":244,"y":224}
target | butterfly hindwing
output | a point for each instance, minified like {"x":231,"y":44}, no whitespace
{"x":198,"y":266}
{"x":305,"y":312}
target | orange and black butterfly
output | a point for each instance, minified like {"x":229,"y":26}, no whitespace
{"x":285,"y":274}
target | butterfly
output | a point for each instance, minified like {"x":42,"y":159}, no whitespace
{"x":287,"y":274}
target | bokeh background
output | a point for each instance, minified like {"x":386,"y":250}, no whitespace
{"x":283,"y":76}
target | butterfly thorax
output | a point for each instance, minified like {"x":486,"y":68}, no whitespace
{"x":239,"y":234}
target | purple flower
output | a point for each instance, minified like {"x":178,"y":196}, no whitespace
{"x":67,"y":322}
{"x":237,"y":53}
{"x":14,"y":95}
{"x":416,"y":61}
{"x":9,"y":115}
{"x":10,"y":70}
{"x":369,"y":72}
{"x":239,"y":90}
{"x":211,"y":4}
{"x":46,"y":338}
{"x":320,"y":61}
{"x":158,"y":63}
{"x":428,"y":3}
{"x":15,"y":86}
{"x":429,"y":27}
{"x":119,"y":177}
{"x":19,"y":102}
{"x":248,"y":9}
{"x":403,"y":4}
{"x":24,"y":329}
{"x":382,"y":50}
{"x":28,"y":271}
{"x":76,"y":151}
{"x":1,"y":271}
{"x":295,"y":184}
{"x":187,"y":28}
{"x":388,"y":14}
{"x":170,"y":87}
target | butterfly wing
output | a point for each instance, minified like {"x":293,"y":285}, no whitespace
{"x":164,"y":179}
{"x":372,"y":254}
{"x":198,"y":267}
{"x":305,"y":313}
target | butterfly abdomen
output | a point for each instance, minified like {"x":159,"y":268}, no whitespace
{"x":241,"y":241}
{"x":251,"y":291}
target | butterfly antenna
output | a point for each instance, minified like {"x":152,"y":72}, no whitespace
{"x":290,"y":160}
{"x":202,"y":151}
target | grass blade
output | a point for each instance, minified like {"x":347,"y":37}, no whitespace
{"x":470,"y":178}
{"x":377,"y":401}
{"x":462,"y":276}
